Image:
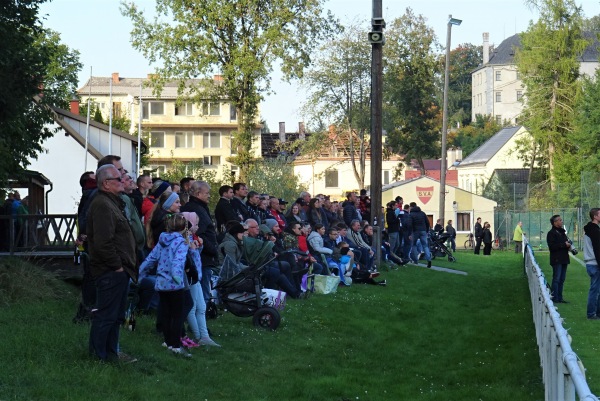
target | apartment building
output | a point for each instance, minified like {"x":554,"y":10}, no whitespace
{"x":496,"y":86}
{"x":192,"y":133}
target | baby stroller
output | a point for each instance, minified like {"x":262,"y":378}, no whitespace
{"x":437,"y":246}
{"x":241,"y":291}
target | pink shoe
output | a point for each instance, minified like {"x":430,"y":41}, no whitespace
{"x":189,"y":343}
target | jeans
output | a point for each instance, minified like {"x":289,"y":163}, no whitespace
{"x":452,"y":244}
{"x":205,"y":283}
{"x":111,"y":300}
{"x":593,"y":303}
{"x":147,"y":293}
{"x":422,"y":237}
{"x":478,"y":241}
{"x":394,"y":242}
{"x":559,"y":274}
{"x":197,"y":316}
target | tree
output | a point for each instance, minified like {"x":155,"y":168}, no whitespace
{"x":339,"y":93}
{"x":472,"y":136}
{"x":463,"y":60}
{"x":240,"y":39}
{"x":412,"y":113}
{"x":36,"y":72}
{"x":549,"y":67}
{"x":585,"y":138}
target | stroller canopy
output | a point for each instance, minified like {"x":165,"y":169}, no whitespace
{"x":257,"y":252}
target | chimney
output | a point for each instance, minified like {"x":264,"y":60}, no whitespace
{"x":282,"y":132}
{"x":301,"y":131}
{"x":115,"y":77}
{"x":486,"y":47}
{"x":74,"y":105}
{"x":450,"y":157}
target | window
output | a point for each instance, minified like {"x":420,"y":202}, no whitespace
{"x":232,"y":112}
{"x":498,"y":119}
{"x":184,"y":139}
{"x":211,"y":140}
{"x":211,"y":108}
{"x":331,"y":179}
{"x":152,"y":108}
{"x":116,"y":109}
{"x":232,"y":146}
{"x":186,"y":109}
{"x":463,"y":221}
{"x":519,"y":95}
{"x":498,"y":97}
{"x":386,"y":177}
{"x":212,"y":160}
{"x":498,"y":75}
{"x":157,"y":170}
{"x":99,"y":105}
{"x":157,"y":139}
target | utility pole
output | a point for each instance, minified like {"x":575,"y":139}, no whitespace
{"x":377,"y":40}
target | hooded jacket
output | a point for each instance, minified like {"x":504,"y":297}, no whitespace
{"x":591,"y":244}
{"x":420,"y":222}
{"x":169,"y":255}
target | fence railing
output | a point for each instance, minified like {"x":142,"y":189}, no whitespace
{"x":563,"y":375}
{"x":40,"y":233}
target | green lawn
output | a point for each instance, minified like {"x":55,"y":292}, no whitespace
{"x":428,"y":335}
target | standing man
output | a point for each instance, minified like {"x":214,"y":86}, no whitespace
{"x":591,"y":256}
{"x":252,"y":203}
{"x":559,"y":246}
{"x":240,"y":191}
{"x":198,"y":203}
{"x":478,"y":235}
{"x":518,"y":237}
{"x":224,"y":212}
{"x":349,"y":209}
{"x":112,"y":261}
{"x":451,"y":231}
{"x":420,"y":228}
{"x":144,"y":183}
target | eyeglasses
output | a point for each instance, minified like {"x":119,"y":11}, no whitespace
{"x":114,"y":178}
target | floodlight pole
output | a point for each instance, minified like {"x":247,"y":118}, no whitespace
{"x":376,"y":39}
{"x":443,"y":168}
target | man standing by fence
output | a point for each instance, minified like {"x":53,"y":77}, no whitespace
{"x":518,"y":237}
{"x":559,"y":247}
{"x":591,"y":256}
{"x":478,"y":235}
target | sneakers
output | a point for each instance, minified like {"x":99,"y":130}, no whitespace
{"x":207,"y":341}
{"x":126,"y":358}
{"x":594,"y":317}
{"x":374,"y":274}
{"x":189,"y":343}
{"x":180,"y":352}
{"x":429,"y":264}
{"x":382,"y":283}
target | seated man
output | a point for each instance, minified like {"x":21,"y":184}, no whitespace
{"x":356,"y":236}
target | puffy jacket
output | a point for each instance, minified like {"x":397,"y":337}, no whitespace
{"x":169,"y":255}
{"x":420,"y":222}
{"x":349,"y":212}
{"x":316,"y":242}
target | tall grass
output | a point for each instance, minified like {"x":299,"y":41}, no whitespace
{"x":428,"y":335}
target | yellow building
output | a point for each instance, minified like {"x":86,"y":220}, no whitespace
{"x":185,"y":131}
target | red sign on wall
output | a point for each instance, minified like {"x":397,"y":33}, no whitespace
{"x":425,"y":194}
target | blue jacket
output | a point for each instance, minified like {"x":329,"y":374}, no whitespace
{"x":170,"y":255}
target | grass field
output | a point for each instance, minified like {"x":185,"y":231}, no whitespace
{"x":428,"y":335}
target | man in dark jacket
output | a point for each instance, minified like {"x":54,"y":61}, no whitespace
{"x":591,"y":256}
{"x":405,"y":231}
{"x":478,"y":235}
{"x":420,"y":228}
{"x":240,"y":191}
{"x":224,"y":212}
{"x":112,"y":261}
{"x":349,"y":209}
{"x":393,"y":228}
{"x":198,"y":203}
{"x":559,"y":247}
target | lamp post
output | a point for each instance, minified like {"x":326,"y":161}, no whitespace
{"x":443,"y":168}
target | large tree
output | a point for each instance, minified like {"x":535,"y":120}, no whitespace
{"x":412,"y":112}
{"x":36,"y":72}
{"x":549,"y":67}
{"x":240,"y":39}
{"x":339,"y":87}
{"x":463,"y":60}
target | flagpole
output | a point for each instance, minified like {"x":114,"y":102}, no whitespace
{"x":110,"y":118}
{"x":139,"y":147}
{"x":87,"y":127}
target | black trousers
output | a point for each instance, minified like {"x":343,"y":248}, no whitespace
{"x":478,"y":245}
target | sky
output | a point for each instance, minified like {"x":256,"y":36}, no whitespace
{"x":100,"y":33}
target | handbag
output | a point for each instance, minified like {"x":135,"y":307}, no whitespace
{"x":326,"y":284}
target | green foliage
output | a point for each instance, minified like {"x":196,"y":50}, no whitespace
{"x":585,"y":138}
{"x":412,"y":115}
{"x":275,"y":177}
{"x":242,"y":39}
{"x":472,"y":136}
{"x":34,"y":64}
{"x":549,"y":65}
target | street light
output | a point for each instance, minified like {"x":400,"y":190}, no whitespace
{"x":451,"y":21}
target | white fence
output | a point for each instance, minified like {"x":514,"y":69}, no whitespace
{"x":562,"y":370}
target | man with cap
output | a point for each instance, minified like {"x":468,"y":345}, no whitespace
{"x":275,"y":205}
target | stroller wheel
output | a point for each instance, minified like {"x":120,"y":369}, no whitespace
{"x":451,"y":259}
{"x":267,"y":318}
{"x":211,"y":310}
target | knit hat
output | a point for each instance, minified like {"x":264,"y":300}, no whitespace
{"x":236,"y":228}
{"x":158,"y":189}
{"x":270,"y":223}
{"x":170,"y":200}
{"x":264,"y":229}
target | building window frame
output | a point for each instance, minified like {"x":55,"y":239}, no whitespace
{"x":184,"y":109}
{"x":211,"y":108}
{"x":463,"y":221}
{"x":157,"y":139}
{"x":184,"y":139}
{"x":331,"y":178}
{"x":498,"y":75}
{"x":211,"y":140}
{"x":211,"y":161}
{"x":519,"y":95}
{"x":498,"y":97}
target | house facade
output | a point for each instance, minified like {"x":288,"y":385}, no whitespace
{"x":496,"y":86}
{"x":497,"y":153}
{"x":189,"y":132}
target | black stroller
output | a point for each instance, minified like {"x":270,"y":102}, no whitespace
{"x":437,"y":245}
{"x":241,"y":292}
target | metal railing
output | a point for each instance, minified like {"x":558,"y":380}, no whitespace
{"x":37,"y":233}
{"x":563,"y":372}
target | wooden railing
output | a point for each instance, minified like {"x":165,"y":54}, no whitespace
{"x":38,"y":233}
